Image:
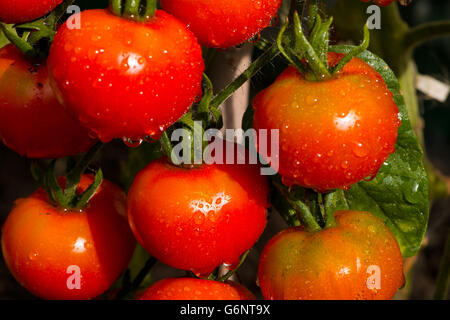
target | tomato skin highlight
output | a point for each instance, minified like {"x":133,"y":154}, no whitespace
{"x":123,"y":79}
{"x":332,"y":133}
{"x":332,"y":264}
{"x":196,"y":219}
{"x":19,"y":11}
{"x":223,"y":23}
{"x":196,"y":289}
{"x":40,"y":242}
{"x":32,"y":121}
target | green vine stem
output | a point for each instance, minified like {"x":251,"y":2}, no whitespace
{"x":253,"y":69}
{"x":166,"y":144}
{"x":442,"y":283}
{"x":136,"y":10}
{"x":230,"y":273}
{"x":425,"y":32}
{"x":303,"y":211}
{"x":67,"y":197}
{"x":131,"y":287}
{"x":27,"y":37}
{"x":356,"y":51}
{"x":317,"y":66}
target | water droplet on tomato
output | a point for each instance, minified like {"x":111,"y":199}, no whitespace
{"x":132,"y":143}
{"x":33,"y":256}
{"x":360,"y":150}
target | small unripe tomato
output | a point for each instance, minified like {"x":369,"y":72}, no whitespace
{"x":196,"y":289}
{"x":359,"y":258}
{"x":196,"y":219}
{"x":62,"y":254}
{"x":332,"y":133}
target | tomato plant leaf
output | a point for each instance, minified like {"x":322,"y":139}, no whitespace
{"x":399,"y":193}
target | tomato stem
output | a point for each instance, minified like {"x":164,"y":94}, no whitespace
{"x":131,"y":287}
{"x":28,"y":37}
{"x":290,"y":55}
{"x":303,"y":211}
{"x":136,"y":10}
{"x":230,"y":273}
{"x":253,"y":69}
{"x":422,"y":33}
{"x":356,"y":51}
{"x":318,"y":69}
{"x":67,"y":198}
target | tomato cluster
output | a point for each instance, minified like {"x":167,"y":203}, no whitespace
{"x":117,"y":78}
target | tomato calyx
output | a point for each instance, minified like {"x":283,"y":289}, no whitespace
{"x":67,"y":197}
{"x":34,"y":38}
{"x":309,"y":54}
{"x":135,"y":10}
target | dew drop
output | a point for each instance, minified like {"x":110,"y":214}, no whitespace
{"x":132,"y":143}
{"x":360,"y":150}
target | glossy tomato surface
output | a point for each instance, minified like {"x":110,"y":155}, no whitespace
{"x":332,"y":133}
{"x":196,"y":219}
{"x":32,"y":121}
{"x":18,"y":11}
{"x":124,"y":79}
{"x":48,"y":249}
{"x":357,"y":259}
{"x":196,"y":289}
{"x":223,"y":23}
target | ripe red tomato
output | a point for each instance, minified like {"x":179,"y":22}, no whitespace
{"x":357,"y":259}
{"x":32,"y":122}
{"x":333,"y":133}
{"x":196,"y":289}
{"x":18,"y":11}
{"x":196,"y":219}
{"x":46,"y":248}
{"x":124,"y":79}
{"x":223,"y":23}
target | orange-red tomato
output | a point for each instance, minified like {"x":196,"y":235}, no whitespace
{"x":196,"y":219}
{"x":196,"y":289}
{"x":124,"y":79}
{"x":223,"y":23}
{"x":332,"y":133}
{"x":357,"y":259}
{"x":18,"y":11}
{"x":32,"y":121}
{"x":48,"y":249}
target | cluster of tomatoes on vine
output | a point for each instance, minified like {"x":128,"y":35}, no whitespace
{"x":130,"y":72}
